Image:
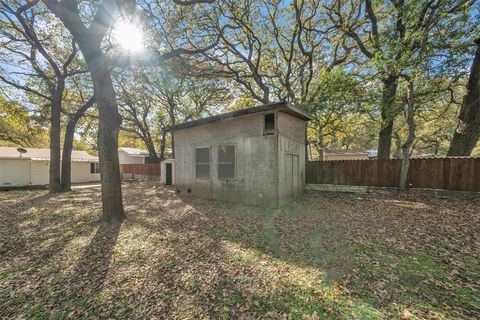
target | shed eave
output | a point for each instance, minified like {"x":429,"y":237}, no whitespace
{"x":277,"y":106}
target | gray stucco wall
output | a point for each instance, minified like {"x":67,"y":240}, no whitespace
{"x":257,"y":158}
{"x":291,"y":141}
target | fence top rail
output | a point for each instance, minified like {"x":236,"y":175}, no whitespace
{"x":395,"y":159}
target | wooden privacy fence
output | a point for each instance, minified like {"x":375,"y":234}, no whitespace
{"x":148,"y":169}
{"x":461,"y":174}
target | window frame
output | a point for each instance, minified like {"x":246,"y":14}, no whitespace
{"x":95,"y":166}
{"x":234,"y":163}
{"x":273,"y":130}
{"x":209,"y":162}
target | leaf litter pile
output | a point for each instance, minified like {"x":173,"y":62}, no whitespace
{"x":325,"y":256}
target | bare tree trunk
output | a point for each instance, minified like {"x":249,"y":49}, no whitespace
{"x":320,"y":145}
{"x":109,"y":126}
{"x":388,"y":116}
{"x":67,"y":157}
{"x":171,"y":114}
{"x":398,"y":145}
{"x":66,"y":178}
{"x":306,"y":143}
{"x":173,"y":144}
{"x":153,"y":157}
{"x":411,"y":137}
{"x":55,"y":128}
{"x":149,"y":143}
{"x":163,"y":141}
{"x":467,"y":133}
{"x":464,"y":139}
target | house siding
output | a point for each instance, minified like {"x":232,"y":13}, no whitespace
{"x":81,"y":173}
{"x":15,"y":172}
{"x":125,"y":158}
{"x":25,"y":172}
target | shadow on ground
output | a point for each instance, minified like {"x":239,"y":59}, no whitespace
{"x":341,"y":256}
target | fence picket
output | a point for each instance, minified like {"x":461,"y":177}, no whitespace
{"x":435,"y":173}
{"x":148,"y":169}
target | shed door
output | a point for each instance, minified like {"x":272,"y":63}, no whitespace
{"x":292,"y":174}
{"x":168,"y":174}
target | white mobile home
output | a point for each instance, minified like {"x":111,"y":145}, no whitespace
{"x":253,"y":156}
{"x":32,"y":168}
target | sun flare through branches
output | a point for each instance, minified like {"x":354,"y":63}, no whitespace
{"x":129,"y":36}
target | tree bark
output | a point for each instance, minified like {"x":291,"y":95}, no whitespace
{"x":171,"y":113}
{"x":173,"y":144}
{"x":388,"y":114}
{"x":109,"y":126}
{"x":467,"y":133}
{"x":306,"y":143}
{"x":411,"y":137}
{"x":153,"y":157}
{"x":66,"y":177}
{"x":163,"y":141}
{"x":320,"y":145}
{"x":55,"y":129}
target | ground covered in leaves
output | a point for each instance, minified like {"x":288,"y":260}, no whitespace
{"x":326,"y":256}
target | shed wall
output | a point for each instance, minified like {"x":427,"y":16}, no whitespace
{"x":291,"y":147}
{"x":256,"y":172}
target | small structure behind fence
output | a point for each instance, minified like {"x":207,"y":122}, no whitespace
{"x":147,"y":171}
{"x":461,"y":174}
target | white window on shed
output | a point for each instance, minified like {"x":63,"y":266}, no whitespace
{"x":226,"y":162}
{"x":202,"y":162}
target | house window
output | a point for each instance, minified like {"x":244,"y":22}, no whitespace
{"x":270,"y":121}
{"x":94,"y":167}
{"x":202,"y":162}
{"x":226,"y":162}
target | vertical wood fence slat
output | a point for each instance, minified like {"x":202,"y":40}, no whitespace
{"x":436,"y":173}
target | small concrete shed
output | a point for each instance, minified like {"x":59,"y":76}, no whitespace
{"x":253,"y":156}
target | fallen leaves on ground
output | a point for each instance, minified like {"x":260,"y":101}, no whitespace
{"x":325,"y":256}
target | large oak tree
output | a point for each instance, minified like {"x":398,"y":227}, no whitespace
{"x":390,"y":34}
{"x":89,"y":27}
{"x":467,"y":133}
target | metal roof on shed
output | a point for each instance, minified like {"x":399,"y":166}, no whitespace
{"x":277,"y":106}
